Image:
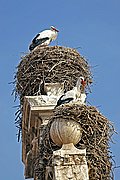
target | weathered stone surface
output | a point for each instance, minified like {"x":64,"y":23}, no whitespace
{"x":63,"y":131}
{"x":70,"y":163}
{"x":35,"y":117}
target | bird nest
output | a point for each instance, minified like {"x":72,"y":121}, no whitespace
{"x":97,"y":132}
{"x":54,"y":64}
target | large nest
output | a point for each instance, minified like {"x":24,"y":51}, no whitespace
{"x":97,"y":132}
{"x":53,"y":64}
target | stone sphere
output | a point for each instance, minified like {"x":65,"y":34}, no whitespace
{"x":63,"y":131}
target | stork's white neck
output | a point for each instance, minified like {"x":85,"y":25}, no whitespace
{"x":78,"y":84}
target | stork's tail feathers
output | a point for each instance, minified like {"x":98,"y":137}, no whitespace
{"x":32,"y":46}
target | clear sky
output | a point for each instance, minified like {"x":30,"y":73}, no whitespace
{"x":92,"y":25}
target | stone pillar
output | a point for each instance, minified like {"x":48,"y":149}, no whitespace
{"x":68,"y":162}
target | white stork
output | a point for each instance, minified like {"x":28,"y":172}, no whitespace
{"x":74,"y":94}
{"x":44,"y":38}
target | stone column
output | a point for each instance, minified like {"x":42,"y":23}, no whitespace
{"x":68,"y":162}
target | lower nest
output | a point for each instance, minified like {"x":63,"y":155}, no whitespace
{"x":97,"y":131}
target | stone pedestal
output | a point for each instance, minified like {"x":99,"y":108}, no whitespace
{"x":70,"y":163}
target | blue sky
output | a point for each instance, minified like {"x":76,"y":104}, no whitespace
{"x":92,"y":25}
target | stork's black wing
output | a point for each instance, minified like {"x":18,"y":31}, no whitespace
{"x":35,"y":38}
{"x":63,"y":101}
{"x":36,"y":42}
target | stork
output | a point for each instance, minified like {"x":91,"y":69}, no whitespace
{"x":44,"y":38}
{"x":74,"y":94}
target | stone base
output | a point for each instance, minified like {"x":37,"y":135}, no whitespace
{"x":70,"y":163}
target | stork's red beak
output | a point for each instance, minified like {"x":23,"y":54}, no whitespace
{"x":83,"y":83}
{"x":54,"y":29}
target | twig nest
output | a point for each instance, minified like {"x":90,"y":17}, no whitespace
{"x":64,"y":131}
{"x":56,"y":64}
{"x":96,"y":134}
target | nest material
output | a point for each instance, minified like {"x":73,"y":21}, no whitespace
{"x":53,"y":64}
{"x":97,"y":132}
